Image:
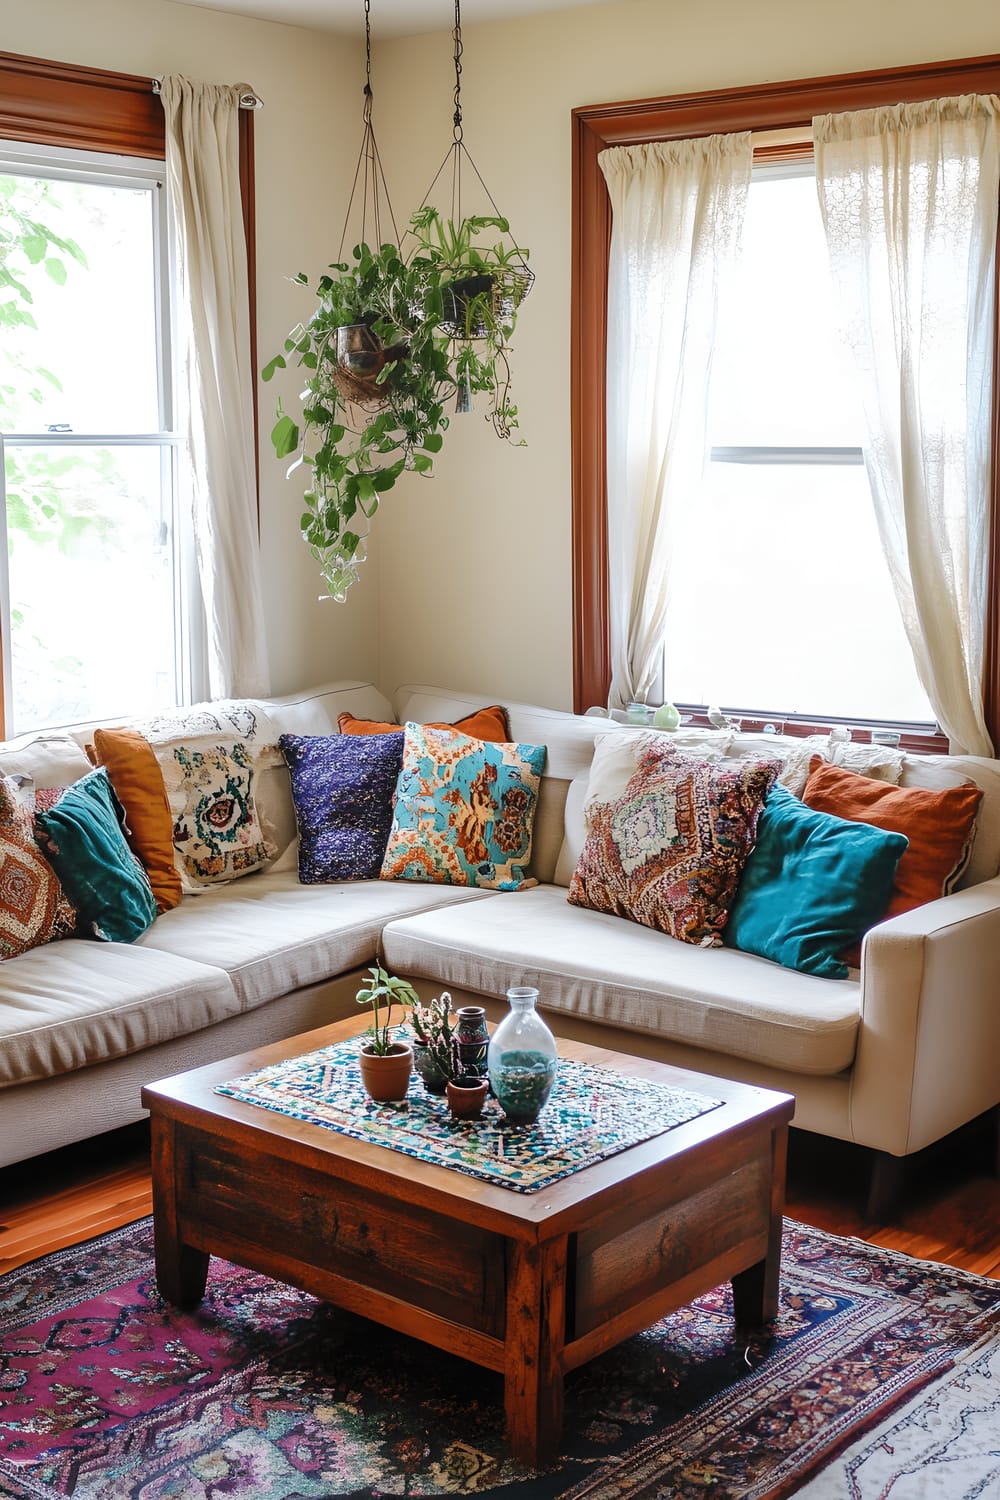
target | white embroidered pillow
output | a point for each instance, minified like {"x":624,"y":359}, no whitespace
{"x":217,"y":833}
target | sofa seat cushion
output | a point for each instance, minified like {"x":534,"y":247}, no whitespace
{"x":602,"y":968}
{"x":271,"y":934}
{"x":71,"y":1004}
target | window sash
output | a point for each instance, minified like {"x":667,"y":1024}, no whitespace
{"x":28,"y":159}
{"x":170,"y":449}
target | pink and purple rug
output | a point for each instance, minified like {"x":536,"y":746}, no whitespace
{"x":881,"y":1372}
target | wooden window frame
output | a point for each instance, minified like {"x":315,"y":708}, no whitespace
{"x":91,"y":109}
{"x":772,"y":106}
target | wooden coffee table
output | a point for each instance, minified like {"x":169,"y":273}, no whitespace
{"x":528,"y":1284}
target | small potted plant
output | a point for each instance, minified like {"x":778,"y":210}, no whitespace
{"x":466,"y":1095}
{"x":433,"y":1047}
{"x":386,"y":1062}
{"x":437,"y":1059}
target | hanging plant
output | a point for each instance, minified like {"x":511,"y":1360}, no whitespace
{"x":390,"y":340}
{"x":373,"y":404}
{"x":472,"y":292}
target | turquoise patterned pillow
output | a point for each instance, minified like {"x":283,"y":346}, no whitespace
{"x":464,"y":810}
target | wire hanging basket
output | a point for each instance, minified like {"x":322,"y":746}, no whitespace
{"x":477,"y":301}
{"x":473,"y":305}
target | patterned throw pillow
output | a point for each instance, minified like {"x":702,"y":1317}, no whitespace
{"x":82,"y":834}
{"x":226,"y":721}
{"x":217,"y":833}
{"x":464,"y":810}
{"x":34,"y":908}
{"x":342,"y":787}
{"x":668,"y":853}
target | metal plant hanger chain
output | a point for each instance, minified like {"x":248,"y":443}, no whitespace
{"x":458,"y":148}
{"x":373,"y":181}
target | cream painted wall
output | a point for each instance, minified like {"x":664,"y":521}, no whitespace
{"x":475,"y":568}
{"x":306,"y":143}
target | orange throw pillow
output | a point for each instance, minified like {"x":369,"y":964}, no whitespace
{"x":138,"y":783}
{"x":484,"y":724}
{"x":939,"y":825}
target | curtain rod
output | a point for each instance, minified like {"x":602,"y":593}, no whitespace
{"x":247,"y":100}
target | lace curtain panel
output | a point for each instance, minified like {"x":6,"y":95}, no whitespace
{"x":909,"y":198}
{"x":677,"y":211}
{"x":215,"y":381}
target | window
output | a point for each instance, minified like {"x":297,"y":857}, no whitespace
{"x":73,"y":110}
{"x":794,"y":576}
{"x":785,"y":108}
{"x":91,"y":619}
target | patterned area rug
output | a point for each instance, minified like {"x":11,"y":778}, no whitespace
{"x":882,"y":1374}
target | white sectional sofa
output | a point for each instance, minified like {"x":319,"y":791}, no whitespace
{"x":894,"y":1057}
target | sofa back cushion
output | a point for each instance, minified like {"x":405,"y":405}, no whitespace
{"x":46,"y":759}
{"x":306,"y":712}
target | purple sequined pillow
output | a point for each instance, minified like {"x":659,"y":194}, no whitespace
{"x":342,"y":788}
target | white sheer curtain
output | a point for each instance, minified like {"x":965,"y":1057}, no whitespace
{"x":678,"y":208}
{"x":216,"y":377}
{"x":909,"y":199}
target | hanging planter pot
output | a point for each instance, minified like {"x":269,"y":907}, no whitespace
{"x":474,"y":306}
{"x":359,"y":359}
{"x":467,"y":307}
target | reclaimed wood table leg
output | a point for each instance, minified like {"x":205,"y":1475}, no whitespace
{"x":534,"y":1341}
{"x":181,"y":1271}
{"x":756,"y":1290}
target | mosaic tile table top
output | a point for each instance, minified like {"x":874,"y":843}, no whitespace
{"x":593,"y":1113}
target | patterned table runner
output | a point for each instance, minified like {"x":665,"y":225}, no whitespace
{"x":592,"y":1113}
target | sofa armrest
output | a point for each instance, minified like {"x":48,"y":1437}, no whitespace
{"x":928,"y":1055}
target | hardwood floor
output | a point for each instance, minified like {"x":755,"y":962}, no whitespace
{"x":950,"y":1209}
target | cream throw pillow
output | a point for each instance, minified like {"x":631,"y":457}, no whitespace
{"x":217,"y":832}
{"x":880,"y":762}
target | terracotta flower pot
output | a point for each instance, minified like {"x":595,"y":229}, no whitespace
{"x":466,"y":1097}
{"x":386,"y":1076}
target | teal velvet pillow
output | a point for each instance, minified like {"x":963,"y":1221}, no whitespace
{"x":812,"y":887}
{"x":82,"y":838}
